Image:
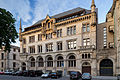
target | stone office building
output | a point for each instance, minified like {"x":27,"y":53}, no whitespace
{"x":70,"y":41}
{"x":10,"y":61}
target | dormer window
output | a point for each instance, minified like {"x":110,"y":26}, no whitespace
{"x":48,"y":25}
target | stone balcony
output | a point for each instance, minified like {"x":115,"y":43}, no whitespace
{"x":111,"y":28}
{"x":87,"y":47}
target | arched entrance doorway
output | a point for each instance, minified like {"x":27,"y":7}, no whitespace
{"x":23,"y":66}
{"x":106,"y":67}
{"x":86,"y":67}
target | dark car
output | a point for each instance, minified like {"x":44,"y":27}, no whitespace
{"x":38,"y":73}
{"x":86,"y":76}
{"x":26,"y":73}
{"x":30,"y":73}
{"x":75,"y":75}
{"x":19,"y":73}
{"x":55,"y":75}
{"x":14,"y":73}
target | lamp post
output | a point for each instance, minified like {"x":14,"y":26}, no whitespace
{"x":63,"y":67}
{"x":26,"y":54}
{"x":118,"y":54}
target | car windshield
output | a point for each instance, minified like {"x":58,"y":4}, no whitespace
{"x":53,"y":73}
{"x":87,"y":74}
{"x":73,"y":72}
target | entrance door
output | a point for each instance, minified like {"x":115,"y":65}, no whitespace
{"x":86,"y":68}
{"x":106,"y":67}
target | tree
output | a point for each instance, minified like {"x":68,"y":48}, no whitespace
{"x":8,"y":33}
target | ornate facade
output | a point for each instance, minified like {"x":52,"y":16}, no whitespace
{"x":70,"y":41}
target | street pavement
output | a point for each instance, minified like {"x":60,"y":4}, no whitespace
{"x":7,"y":77}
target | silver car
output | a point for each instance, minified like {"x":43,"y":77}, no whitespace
{"x":86,"y":76}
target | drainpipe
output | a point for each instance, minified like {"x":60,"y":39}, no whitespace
{"x":114,"y":28}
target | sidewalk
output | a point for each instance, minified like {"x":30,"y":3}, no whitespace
{"x":105,"y":77}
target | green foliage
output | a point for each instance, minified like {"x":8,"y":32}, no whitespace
{"x":8,"y":33}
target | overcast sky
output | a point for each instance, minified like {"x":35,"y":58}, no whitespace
{"x":30,"y":11}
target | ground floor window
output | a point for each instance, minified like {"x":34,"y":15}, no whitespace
{"x":50,"y":62}
{"x":72,"y":61}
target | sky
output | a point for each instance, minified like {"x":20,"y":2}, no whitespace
{"x":30,"y":11}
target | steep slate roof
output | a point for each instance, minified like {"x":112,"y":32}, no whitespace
{"x":65,"y":14}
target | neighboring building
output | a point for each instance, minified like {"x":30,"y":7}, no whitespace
{"x":70,"y":41}
{"x":11,"y":60}
{"x":115,"y":11}
{"x":108,"y":40}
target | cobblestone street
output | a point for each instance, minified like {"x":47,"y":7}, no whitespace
{"x":7,"y":77}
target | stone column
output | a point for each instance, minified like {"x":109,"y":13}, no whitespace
{"x":94,"y":67}
{"x":54,"y":63}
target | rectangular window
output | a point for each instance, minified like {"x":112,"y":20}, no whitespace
{"x":71,"y":44}
{"x":86,"y":27}
{"x":71,"y":30}
{"x":105,"y":37}
{"x":14,"y":64}
{"x":14,"y":56}
{"x":68,"y":31}
{"x":48,"y":25}
{"x":59,"y":46}
{"x":86,"y":42}
{"x":32,"y":49}
{"x":74,"y":32}
{"x":24,"y":50}
{"x":49,"y":36}
{"x":49,"y":47}
{"x":40,"y":48}
{"x":2,"y":64}
{"x":24,"y":41}
{"x":2,"y":56}
{"x":39,"y":37}
{"x":14,"y":50}
{"x":31,"y":39}
{"x":59,"y":33}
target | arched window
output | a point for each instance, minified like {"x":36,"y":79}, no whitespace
{"x":60,"y":62}
{"x":40,"y":62}
{"x":32,"y":62}
{"x":50,"y":62}
{"x":72,"y":61}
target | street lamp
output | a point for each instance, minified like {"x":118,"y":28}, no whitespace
{"x":26,"y":54}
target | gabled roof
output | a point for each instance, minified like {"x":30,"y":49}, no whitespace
{"x":60,"y":15}
{"x":65,"y":14}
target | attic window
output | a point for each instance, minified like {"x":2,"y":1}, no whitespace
{"x":48,"y":25}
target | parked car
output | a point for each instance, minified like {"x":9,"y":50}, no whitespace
{"x":38,"y":72}
{"x":118,"y":77}
{"x":86,"y":76}
{"x":26,"y":73}
{"x":14,"y":73}
{"x":55,"y":75}
{"x":45,"y":75}
{"x":19,"y":73}
{"x":1,"y":72}
{"x":75,"y":75}
{"x":30,"y":73}
{"x":8,"y":72}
